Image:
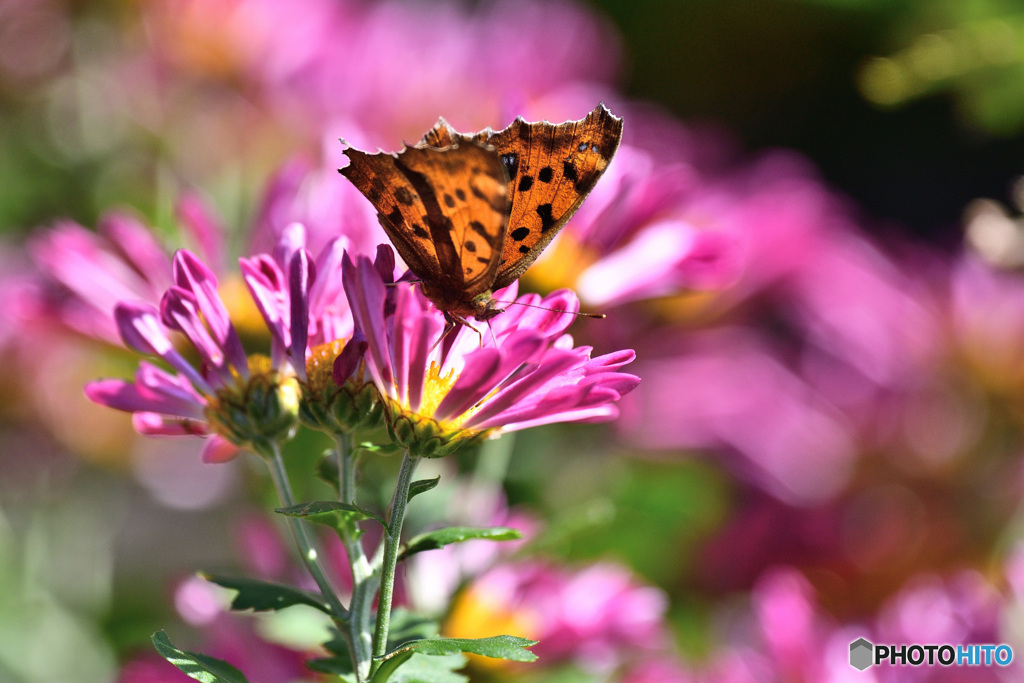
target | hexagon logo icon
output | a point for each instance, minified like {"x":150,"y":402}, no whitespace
{"x":860,"y":654}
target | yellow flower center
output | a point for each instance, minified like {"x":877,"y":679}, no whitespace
{"x":245,"y":316}
{"x":320,"y":365}
{"x":420,"y":431}
{"x":264,"y":406}
{"x":435,"y":387}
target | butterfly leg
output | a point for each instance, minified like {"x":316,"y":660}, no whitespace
{"x":456,"y":318}
{"x":452,"y":321}
{"x":449,"y":325}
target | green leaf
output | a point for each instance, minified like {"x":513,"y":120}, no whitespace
{"x":422,"y":486}
{"x":336,"y":515}
{"x":197,"y":666}
{"x":263,"y":595}
{"x":419,"y":668}
{"x":432,"y":540}
{"x":498,"y":647}
{"x":391,"y":665}
{"x":405,"y":626}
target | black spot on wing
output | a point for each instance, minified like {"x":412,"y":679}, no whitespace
{"x":546,"y":174}
{"x":497,"y":204}
{"x":478,"y":228}
{"x":511,"y":162}
{"x":569,"y":171}
{"x":519,"y":234}
{"x":547,"y":221}
{"x":403,"y":195}
{"x":420,"y":231}
{"x":470,"y":246}
{"x":395,"y":217}
{"x":523,"y":249}
{"x":460,"y":193}
{"x":525,"y":183}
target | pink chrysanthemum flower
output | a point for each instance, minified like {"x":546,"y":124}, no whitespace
{"x":237,"y":399}
{"x":83,"y":274}
{"x":310,"y":323}
{"x":520,"y":372}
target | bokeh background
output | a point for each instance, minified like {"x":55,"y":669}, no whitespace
{"x":811,"y":236}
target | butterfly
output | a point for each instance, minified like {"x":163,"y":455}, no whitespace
{"x":469,"y":213}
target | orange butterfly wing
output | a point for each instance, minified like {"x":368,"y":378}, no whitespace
{"x":446,"y":212}
{"x":551,"y":169}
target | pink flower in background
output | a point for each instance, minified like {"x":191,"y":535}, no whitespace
{"x":272,"y":46}
{"x":82,"y":274}
{"x":661,"y":670}
{"x":325,"y":62}
{"x":597,"y":616}
{"x":728,"y":390}
{"x":986,"y":307}
{"x":793,"y":369}
{"x":87,"y":273}
{"x":321,"y":200}
{"x":634,"y":239}
{"x":497,"y":60}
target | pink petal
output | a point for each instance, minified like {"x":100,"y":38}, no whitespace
{"x":217,"y":450}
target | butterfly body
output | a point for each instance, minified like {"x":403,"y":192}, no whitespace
{"x":469,"y":213}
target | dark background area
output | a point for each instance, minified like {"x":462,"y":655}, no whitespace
{"x":782,"y":73}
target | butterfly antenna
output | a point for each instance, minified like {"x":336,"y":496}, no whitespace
{"x":578,"y":314}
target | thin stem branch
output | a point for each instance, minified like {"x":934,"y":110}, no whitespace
{"x":363,"y":578}
{"x":392,"y":540}
{"x":307,"y":552}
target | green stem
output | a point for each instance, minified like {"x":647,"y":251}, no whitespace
{"x":392,"y":540}
{"x":363,"y":578}
{"x":272,"y":454}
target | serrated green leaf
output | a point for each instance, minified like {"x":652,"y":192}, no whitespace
{"x":422,"y":486}
{"x":499,"y":647}
{"x":420,"y":668}
{"x":336,"y":515}
{"x":390,"y":666}
{"x":197,"y":666}
{"x":405,"y":626}
{"x":263,"y":596}
{"x":432,"y":540}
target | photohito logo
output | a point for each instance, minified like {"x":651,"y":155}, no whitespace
{"x":864,"y":653}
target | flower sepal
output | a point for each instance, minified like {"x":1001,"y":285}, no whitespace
{"x":333,"y":408}
{"x":264,"y":408}
{"x":425,"y":437}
